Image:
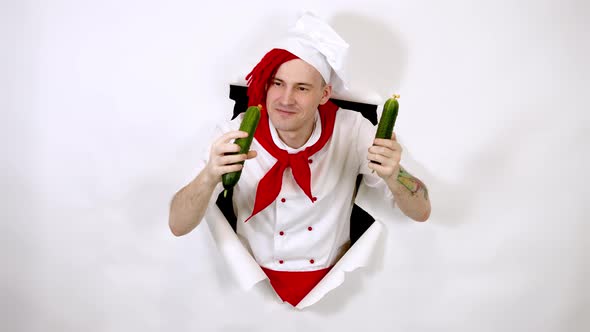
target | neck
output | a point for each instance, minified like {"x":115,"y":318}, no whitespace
{"x":296,"y":139}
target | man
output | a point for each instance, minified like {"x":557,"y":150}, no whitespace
{"x":296,"y":192}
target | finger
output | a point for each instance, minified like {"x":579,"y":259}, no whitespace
{"x":227,"y":148}
{"x":393,"y":145}
{"x":393,"y":136}
{"x":384,"y":142}
{"x":381,"y":159}
{"x":251,"y":154}
{"x":231,"y":159}
{"x":229,"y":168}
{"x":381,"y":150}
{"x":378,"y":158}
{"x":225,"y":138}
{"x":380,"y":169}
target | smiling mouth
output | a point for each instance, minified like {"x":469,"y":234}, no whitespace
{"x":282,"y":111}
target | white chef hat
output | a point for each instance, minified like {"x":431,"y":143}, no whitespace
{"x":315,"y":42}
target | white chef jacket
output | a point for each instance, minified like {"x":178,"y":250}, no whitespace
{"x":293,"y":233}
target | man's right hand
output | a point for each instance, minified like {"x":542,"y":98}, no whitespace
{"x":220,"y":159}
{"x":190,"y":203}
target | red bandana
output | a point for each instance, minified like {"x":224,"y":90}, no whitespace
{"x":269,"y":186}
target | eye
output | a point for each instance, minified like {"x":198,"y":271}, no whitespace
{"x":302,"y":88}
{"x":276,"y":83}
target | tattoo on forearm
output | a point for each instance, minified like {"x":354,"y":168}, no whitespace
{"x":413,"y":184}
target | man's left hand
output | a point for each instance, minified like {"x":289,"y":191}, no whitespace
{"x":388,"y":153}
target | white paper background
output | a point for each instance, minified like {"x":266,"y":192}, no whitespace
{"x":106,"y":106}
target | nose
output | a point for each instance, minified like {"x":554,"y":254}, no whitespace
{"x":287,"y":98}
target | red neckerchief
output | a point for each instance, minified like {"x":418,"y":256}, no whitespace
{"x":269,"y":186}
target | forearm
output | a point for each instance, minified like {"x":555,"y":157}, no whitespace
{"x":190,"y":204}
{"x":411,"y":195}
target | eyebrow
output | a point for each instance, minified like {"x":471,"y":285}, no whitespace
{"x":298,"y":83}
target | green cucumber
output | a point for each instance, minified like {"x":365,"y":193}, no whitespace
{"x":387,"y":121}
{"x":249,"y":124}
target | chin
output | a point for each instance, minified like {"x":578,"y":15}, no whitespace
{"x":282,"y":125}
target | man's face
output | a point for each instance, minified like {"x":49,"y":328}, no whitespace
{"x":293,"y":97}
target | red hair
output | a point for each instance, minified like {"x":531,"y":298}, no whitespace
{"x":263,"y":72}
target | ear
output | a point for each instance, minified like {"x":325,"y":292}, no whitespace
{"x":326,"y":94}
